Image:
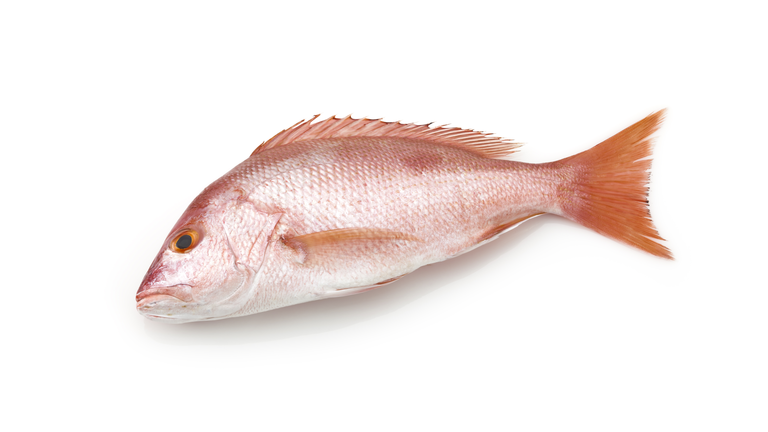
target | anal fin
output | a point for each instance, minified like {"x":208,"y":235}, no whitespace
{"x":498,"y":230}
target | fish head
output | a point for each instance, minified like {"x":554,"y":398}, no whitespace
{"x":207,"y":264}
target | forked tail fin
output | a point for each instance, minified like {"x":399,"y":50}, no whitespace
{"x":607,"y":187}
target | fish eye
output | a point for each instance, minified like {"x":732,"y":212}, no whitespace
{"x":185,"y":241}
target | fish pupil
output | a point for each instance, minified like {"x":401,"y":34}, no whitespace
{"x":184,"y":241}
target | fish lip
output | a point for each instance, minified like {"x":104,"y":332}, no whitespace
{"x":180,"y":292}
{"x":163,"y":318}
{"x":167,"y":319}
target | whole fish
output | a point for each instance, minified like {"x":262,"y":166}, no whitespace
{"x":343,"y":206}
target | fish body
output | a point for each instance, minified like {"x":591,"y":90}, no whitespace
{"x":342,"y":206}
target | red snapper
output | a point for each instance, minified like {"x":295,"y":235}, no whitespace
{"x":343,"y":206}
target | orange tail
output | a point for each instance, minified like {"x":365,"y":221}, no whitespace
{"x":607,"y":189}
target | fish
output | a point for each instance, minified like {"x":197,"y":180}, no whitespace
{"x":342,"y":206}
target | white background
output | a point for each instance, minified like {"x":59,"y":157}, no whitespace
{"x":114,"y":115}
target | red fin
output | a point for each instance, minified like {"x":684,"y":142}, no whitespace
{"x":343,"y":242}
{"x":608,"y":187}
{"x":496,"y":231}
{"x":343,"y":292}
{"x":387,"y":282}
{"x":480,"y":143}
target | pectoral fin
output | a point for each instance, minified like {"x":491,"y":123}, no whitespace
{"x":345,"y":243}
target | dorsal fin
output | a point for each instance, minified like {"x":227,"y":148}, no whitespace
{"x":481,"y":143}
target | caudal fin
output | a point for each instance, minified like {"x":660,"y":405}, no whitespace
{"x":607,"y":187}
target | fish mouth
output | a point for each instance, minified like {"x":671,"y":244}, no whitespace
{"x":164,"y":303}
{"x":179,"y":292}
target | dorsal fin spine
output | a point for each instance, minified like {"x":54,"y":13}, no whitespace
{"x":480,"y":143}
